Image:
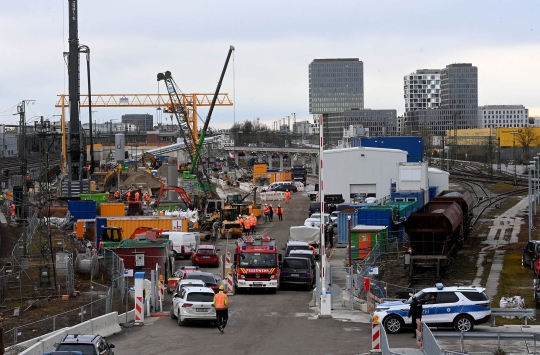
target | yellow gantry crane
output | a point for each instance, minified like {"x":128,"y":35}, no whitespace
{"x":190,"y":101}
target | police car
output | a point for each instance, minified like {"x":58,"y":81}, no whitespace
{"x":460,"y":307}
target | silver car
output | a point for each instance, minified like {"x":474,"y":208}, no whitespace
{"x":193,"y":304}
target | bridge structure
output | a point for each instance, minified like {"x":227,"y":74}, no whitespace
{"x":301,"y":154}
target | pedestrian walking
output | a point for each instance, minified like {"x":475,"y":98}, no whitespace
{"x":221,"y":304}
{"x":253,"y":221}
{"x":415,"y":312}
{"x":266,"y":211}
{"x":271,"y":212}
{"x":287,"y":196}
{"x":279,"y":212}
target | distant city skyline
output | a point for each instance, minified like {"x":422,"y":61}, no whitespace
{"x":275,"y":42}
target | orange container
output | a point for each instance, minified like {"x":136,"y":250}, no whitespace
{"x":79,"y":229}
{"x":112,"y":210}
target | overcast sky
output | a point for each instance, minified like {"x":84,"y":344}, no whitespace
{"x":131,"y":41}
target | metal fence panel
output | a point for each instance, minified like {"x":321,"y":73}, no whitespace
{"x":341,"y":281}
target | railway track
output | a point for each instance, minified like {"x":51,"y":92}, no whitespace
{"x":12,"y":166}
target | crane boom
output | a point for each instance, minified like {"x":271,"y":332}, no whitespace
{"x":208,"y":117}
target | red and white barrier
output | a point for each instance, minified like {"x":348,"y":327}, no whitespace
{"x":375,"y":335}
{"x":139,"y":306}
{"x":228,"y":265}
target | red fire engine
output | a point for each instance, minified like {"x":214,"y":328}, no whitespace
{"x":256,"y":264}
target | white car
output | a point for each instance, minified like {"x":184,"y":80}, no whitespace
{"x":316,"y":218}
{"x":460,"y":307}
{"x":193,"y":304}
{"x":188,"y":283}
{"x":334,"y":217}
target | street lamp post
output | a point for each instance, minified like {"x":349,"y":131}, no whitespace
{"x":535,"y":179}
{"x":531,"y":166}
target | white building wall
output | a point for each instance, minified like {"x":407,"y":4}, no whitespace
{"x":413,"y":177}
{"x":361,"y":169}
{"x":440,"y":178}
{"x":503,"y":116}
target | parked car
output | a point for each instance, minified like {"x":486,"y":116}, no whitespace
{"x":88,"y":344}
{"x":179,"y":275}
{"x":208,"y":278}
{"x":316,"y":207}
{"x":536,"y":285}
{"x":205,"y":255}
{"x":327,"y":218}
{"x":530,"y":253}
{"x":280,"y":186}
{"x":334,"y":217}
{"x":460,"y":307}
{"x":193,"y":304}
{"x":188,"y":283}
{"x":297,"y":271}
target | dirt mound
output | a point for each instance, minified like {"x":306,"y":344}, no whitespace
{"x":142,"y":177}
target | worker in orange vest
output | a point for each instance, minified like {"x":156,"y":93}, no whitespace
{"x":247,"y":226}
{"x":241,"y":222}
{"x":253,"y":221}
{"x":147,"y":198}
{"x":279,"y":211}
{"x":116,"y":195}
{"x":266,"y":211}
{"x":128,"y":195}
{"x":221,"y":304}
{"x":13,"y":209}
{"x":287,"y":196}
{"x":137,"y":196}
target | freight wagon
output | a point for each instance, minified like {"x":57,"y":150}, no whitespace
{"x":464,"y":200}
{"x":435,"y":234}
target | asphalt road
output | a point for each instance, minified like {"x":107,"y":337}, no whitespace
{"x":259,"y":323}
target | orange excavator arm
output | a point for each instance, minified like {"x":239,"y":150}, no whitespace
{"x":183,"y":195}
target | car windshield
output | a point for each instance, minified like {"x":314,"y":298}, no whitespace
{"x":207,"y":279}
{"x":85,"y":349}
{"x":296,"y":247}
{"x":205,"y":251}
{"x":200,"y":297}
{"x":258,"y":260}
{"x":295,"y":264}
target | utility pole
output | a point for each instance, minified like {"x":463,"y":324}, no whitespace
{"x":20,"y":193}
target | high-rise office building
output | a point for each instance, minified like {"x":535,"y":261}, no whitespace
{"x":336,"y":85}
{"x":458,"y":103}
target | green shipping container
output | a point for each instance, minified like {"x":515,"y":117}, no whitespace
{"x":95,"y":197}
{"x":363,"y":238}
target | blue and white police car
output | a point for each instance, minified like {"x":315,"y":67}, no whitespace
{"x":460,"y":307}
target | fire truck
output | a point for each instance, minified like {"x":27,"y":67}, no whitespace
{"x":256,"y":264}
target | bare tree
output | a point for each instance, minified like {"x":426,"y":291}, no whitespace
{"x":527,"y":137}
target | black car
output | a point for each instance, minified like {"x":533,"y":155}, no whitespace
{"x":297,"y":271}
{"x":284,"y":187}
{"x":316,"y":207}
{"x":87,"y":344}
{"x":207,"y":277}
{"x":530,"y":253}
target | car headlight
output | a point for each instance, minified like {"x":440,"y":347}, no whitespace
{"x":381,"y":309}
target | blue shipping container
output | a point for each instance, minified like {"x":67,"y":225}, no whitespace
{"x":433,"y":192}
{"x":82,"y":209}
{"x":413,"y":145}
{"x":345,"y":219}
{"x":101,"y":223}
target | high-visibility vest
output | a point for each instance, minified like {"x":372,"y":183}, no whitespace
{"x":266,"y":209}
{"x":146,"y":197}
{"x":241,"y":221}
{"x":137,"y":195}
{"x":221,"y":301}
{"x":247,"y":223}
{"x":116,"y":194}
{"x":253,"y":220}
{"x":280,"y":210}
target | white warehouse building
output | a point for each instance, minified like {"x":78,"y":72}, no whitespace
{"x":361,"y":170}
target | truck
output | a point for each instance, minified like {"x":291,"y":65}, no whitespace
{"x":111,"y":237}
{"x":310,"y":235}
{"x":299,"y":173}
{"x":256,"y":264}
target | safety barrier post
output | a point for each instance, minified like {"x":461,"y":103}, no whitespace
{"x":161,"y":296}
{"x":375,"y":335}
{"x":228,"y":267}
{"x":139,"y":287}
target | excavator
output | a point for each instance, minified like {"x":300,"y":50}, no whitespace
{"x":149,"y":157}
{"x":112,"y":236}
{"x":250,"y":206}
{"x":181,"y":192}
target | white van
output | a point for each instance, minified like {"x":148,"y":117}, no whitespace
{"x":183,"y":243}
